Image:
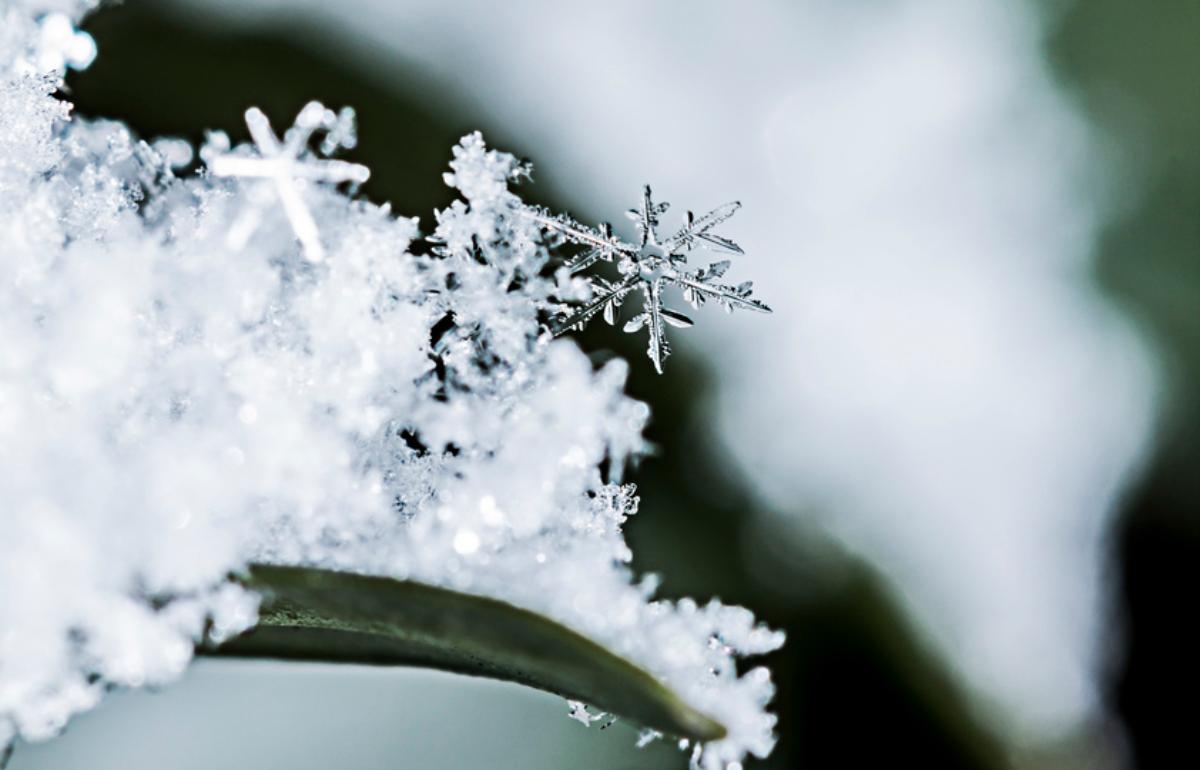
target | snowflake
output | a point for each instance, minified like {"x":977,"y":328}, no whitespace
{"x":289,"y":164}
{"x":578,"y":711}
{"x":650,"y":265}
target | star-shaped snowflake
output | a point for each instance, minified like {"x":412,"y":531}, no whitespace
{"x":651,"y":265}
{"x":289,"y":165}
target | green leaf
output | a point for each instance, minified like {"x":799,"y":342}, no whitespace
{"x":322,"y":615}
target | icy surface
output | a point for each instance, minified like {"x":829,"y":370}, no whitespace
{"x":184,"y":390}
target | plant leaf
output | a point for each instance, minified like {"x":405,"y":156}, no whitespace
{"x":341,"y":617}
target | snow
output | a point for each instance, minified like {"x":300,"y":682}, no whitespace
{"x":182,"y":393}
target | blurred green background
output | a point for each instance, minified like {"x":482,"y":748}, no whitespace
{"x":857,"y":685}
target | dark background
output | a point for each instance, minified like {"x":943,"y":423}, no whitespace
{"x":857,"y":686}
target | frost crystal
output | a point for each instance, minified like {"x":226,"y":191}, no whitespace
{"x":289,"y":164}
{"x":579,"y":712}
{"x":175,"y":405}
{"x":650,"y":265}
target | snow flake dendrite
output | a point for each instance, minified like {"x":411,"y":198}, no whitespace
{"x":650,"y":265}
{"x":288,"y":165}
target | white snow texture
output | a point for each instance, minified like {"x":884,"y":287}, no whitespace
{"x":244,"y":363}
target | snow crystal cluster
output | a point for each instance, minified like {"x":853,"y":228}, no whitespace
{"x":215,"y":360}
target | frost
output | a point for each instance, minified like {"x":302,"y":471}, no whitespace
{"x":650,"y":265}
{"x":177,"y":402}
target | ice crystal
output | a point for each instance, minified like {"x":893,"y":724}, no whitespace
{"x":289,"y":164}
{"x":651,"y":264}
{"x":176,"y":404}
{"x":578,"y":711}
{"x":647,"y":736}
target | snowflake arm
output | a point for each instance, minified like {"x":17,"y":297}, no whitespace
{"x":608,"y":297}
{"x":701,"y":286}
{"x":645,"y":216}
{"x":602,"y":244}
{"x":287,"y":165}
{"x":301,"y":218}
{"x":655,"y":318}
{"x":701,"y":228}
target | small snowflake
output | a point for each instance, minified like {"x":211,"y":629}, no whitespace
{"x":578,"y":711}
{"x":289,"y":165}
{"x":651,"y":265}
{"x":647,"y":736}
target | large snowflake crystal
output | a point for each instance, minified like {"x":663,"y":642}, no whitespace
{"x":651,"y":265}
{"x":288,"y":165}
